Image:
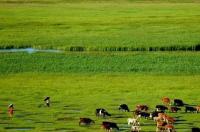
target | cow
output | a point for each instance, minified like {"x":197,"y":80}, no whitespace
{"x":135,"y":128}
{"x":142,"y":107}
{"x":190,"y":109}
{"x":109,"y":126}
{"x":133,"y":121}
{"x":178,"y":102}
{"x":124,"y":107}
{"x":155,"y":114}
{"x":160,"y":126}
{"x":198,"y":108}
{"x":174,"y":109}
{"x":144,"y":114}
{"x":86,"y":121}
{"x":169,"y":128}
{"x":195,"y":129}
{"x":166,"y":101}
{"x":102,"y":112}
{"x":161,"y":108}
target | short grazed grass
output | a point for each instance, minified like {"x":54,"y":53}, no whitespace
{"x":78,"y":95}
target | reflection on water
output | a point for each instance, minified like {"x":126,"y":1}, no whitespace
{"x":30,"y":50}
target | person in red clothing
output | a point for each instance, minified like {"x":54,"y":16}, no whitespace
{"x":11,"y":110}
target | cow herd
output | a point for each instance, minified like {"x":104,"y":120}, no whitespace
{"x":163,"y":121}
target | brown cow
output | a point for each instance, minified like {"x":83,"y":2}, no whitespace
{"x":108,"y":126}
{"x":86,"y":121}
{"x":166,"y":101}
{"x":169,"y":128}
{"x":174,"y":109}
{"x":142,"y":107}
{"x":198,"y":108}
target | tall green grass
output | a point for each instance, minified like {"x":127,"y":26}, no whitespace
{"x":144,"y":62}
{"x":99,"y":25}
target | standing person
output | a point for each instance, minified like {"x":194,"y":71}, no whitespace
{"x":47,"y":101}
{"x":11,"y":110}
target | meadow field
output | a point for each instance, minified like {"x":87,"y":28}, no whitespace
{"x":99,"y":25}
{"x":110,"y":52}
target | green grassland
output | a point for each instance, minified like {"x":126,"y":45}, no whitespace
{"x":78,"y":83}
{"x":137,"y":62}
{"x":95,"y":25}
{"x":77,"y":95}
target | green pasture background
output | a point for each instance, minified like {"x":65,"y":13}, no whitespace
{"x":80,"y":82}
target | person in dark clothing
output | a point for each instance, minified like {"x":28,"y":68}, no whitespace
{"x":47,"y":101}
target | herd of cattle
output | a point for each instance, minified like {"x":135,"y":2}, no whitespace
{"x":164,"y":122}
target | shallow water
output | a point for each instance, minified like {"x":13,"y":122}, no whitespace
{"x":29,"y":50}
{"x":19,"y":128}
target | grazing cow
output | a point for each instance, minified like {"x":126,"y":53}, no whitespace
{"x":142,"y":107}
{"x":109,"y":126}
{"x":133,"y":121}
{"x":174,"y":109}
{"x":136,"y":112}
{"x":160,"y":126}
{"x":178,"y":102}
{"x":155,"y":114}
{"x":169,"y":128}
{"x":190,"y":109}
{"x":161,"y":108}
{"x":168,"y":119}
{"x":135,"y":128}
{"x":144,"y":114}
{"x":86,"y":121}
{"x":166,"y":100}
{"x":198,"y":109}
{"x":124,"y":107}
{"x":102,"y":112}
{"x":195,"y":129}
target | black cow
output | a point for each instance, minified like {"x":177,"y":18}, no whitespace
{"x":102,"y":112}
{"x":161,"y":108}
{"x":190,"y":109}
{"x":195,"y":129}
{"x":86,"y":121}
{"x":178,"y":102}
{"x":124,"y":107}
{"x":109,"y":125}
{"x":144,"y":114}
{"x":155,"y":114}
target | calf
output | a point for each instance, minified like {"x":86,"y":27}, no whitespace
{"x":109,"y":126}
{"x":161,"y":108}
{"x":102,"y":112}
{"x":174,"y":109}
{"x":190,"y":109}
{"x":178,"y":102}
{"x":142,"y":107}
{"x":86,"y":121}
{"x":124,"y":107}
